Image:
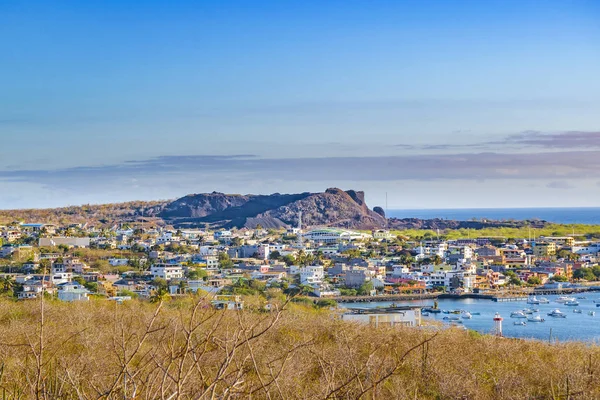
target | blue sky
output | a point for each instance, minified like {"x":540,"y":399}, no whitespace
{"x":440,"y":104}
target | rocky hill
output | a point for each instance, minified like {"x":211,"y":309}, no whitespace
{"x":334,"y":207}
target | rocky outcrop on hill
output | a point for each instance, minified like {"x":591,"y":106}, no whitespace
{"x":334,"y":207}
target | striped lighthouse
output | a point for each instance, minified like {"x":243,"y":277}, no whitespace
{"x":498,"y":324}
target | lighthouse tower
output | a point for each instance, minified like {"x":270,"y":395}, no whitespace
{"x":498,"y":324}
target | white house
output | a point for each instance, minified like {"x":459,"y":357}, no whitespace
{"x":402,"y":316}
{"x":72,"y":292}
{"x":592,"y":248}
{"x":311,"y":275}
{"x":167,"y":271}
{"x":118,"y":262}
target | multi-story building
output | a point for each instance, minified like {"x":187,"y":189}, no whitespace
{"x":562,"y":241}
{"x":544,"y":249}
{"x":167,"y":271}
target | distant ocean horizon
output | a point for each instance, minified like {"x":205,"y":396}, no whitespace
{"x":566,"y":215}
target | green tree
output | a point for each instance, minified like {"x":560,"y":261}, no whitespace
{"x":225,"y":261}
{"x":79,"y":280}
{"x":289,"y":260}
{"x":45,"y":265}
{"x":159,"y":283}
{"x":584,"y":273}
{"x":559,"y":278}
{"x":534,"y":280}
{"x":365,"y":288}
{"x":196,"y":274}
{"x":159,"y":296}
{"x":91,"y":286}
{"x":102,"y":265}
{"x":351,"y":253}
{"x":7,"y":285}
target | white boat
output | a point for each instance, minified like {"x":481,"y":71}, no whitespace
{"x":519,"y":323}
{"x":571,"y":303}
{"x":533,"y":300}
{"x":577,"y":311}
{"x":518,"y":314}
{"x":543,"y":300}
{"x":452,"y":318}
{"x":557,"y":314}
{"x":592,"y":313}
{"x":564,"y":299}
{"x":467,"y":315}
{"x":535,"y":318}
{"x":527,"y":311}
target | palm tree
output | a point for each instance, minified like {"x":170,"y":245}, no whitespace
{"x":160,"y":295}
{"x":183,"y":287}
{"x":7,"y":284}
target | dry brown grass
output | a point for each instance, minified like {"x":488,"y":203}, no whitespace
{"x":186,"y":350}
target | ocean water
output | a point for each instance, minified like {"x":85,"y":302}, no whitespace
{"x":581,"y":327}
{"x":588,"y":215}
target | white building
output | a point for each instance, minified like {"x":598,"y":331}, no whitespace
{"x":383,"y":234}
{"x":310,"y":275}
{"x":401,"y":316}
{"x":592,"y":248}
{"x":333,"y":235}
{"x":73,"y":292}
{"x":118,"y":262}
{"x":167,"y":271}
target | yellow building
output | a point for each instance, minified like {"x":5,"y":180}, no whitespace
{"x":562,"y":241}
{"x":544,"y":249}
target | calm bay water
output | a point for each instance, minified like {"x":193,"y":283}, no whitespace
{"x":581,"y":327}
{"x":588,"y":215}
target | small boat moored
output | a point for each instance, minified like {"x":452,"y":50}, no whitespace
{"x":518,"y":314}
{"x":522,"y":323}
{"x":453,"y":318}
{"x":577,"y":311}
{"x":571,"y":303}
{"x":592,"y":313}
{"x":557,"y":314}
{"x":564,"y":299}
{"x":535,"y":318}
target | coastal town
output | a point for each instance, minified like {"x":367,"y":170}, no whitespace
{"x":325,"y":265}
